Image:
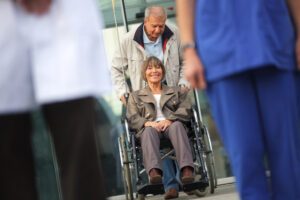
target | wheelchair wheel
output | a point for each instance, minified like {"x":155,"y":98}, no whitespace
{"x":209,"y":161}
{"x":200,"y":192}
{"x":210,"y":172}
{"x":127,"y":182}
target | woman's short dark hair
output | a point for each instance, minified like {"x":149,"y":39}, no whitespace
{"x":152,"y":60}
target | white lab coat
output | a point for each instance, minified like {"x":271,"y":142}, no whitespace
{"x":56,"y":57}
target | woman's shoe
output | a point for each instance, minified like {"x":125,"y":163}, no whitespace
{"x":187,"y":175}
{"x":155,"y":176}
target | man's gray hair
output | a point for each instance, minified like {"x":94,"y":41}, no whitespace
{"x":161,"y":13}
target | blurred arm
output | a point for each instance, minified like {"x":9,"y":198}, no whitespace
{"x":294,"y":6}
{"x":193,"y":68}
{"x":185,"y":20}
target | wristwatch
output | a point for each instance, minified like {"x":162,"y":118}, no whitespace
{"x":187,"y":45}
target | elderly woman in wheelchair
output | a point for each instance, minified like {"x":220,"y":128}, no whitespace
{"x":157,"y":112}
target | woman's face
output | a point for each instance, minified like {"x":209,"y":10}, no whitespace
{"x":154,"y":73}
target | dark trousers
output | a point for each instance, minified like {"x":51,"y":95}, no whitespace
{"x":73,"y":129}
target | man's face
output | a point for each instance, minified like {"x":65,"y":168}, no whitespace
{"x":154,"y":27}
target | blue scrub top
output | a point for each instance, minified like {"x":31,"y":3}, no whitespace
{"x":233,"y":36}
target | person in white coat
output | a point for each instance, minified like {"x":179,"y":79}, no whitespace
{"x":52,"y":56}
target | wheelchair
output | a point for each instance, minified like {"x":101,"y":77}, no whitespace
{"x":135,"y":178}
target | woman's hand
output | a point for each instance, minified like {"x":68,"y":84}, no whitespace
{"x":160,"y":126}
{"x":164,"y":124}
{"x":155,"y":125}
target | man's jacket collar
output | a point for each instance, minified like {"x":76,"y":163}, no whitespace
{"x":138,"y":36}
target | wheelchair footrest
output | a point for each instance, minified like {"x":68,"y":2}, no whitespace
{"x":195,"y":186}
{"x":151,"y":189}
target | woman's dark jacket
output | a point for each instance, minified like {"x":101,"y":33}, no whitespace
{"x":141,"y":107}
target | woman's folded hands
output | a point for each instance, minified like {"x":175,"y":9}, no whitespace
{"x":160,"y":126}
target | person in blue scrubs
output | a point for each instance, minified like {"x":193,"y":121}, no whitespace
{"x":246,"y":54}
